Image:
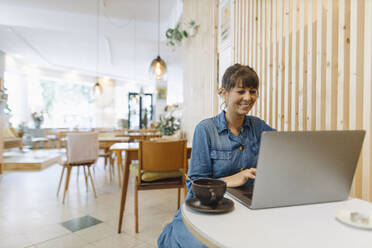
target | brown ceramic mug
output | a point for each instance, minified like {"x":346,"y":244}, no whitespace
{"x":209,"y":191}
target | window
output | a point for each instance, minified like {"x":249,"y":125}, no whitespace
{"x":67,"y":104}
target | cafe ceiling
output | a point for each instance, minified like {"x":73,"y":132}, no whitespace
{"x":63,"y":35}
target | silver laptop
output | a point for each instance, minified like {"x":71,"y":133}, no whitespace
{"x":303,"y":167}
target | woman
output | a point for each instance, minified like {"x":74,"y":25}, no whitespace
{"x":225,"y":146}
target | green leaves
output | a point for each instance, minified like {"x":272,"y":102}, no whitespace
{"x":176,"y":35}
{"x":168,"y":125}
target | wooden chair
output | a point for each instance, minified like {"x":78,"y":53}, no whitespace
{"x":161,"y":165}
{"x":82,"y":150}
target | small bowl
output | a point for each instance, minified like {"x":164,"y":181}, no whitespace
{"x":209,"y":191}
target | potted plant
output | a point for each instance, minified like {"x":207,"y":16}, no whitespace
{"x":176,"y":35}
{"x":38,"y":118}
{"x":168,"y":125}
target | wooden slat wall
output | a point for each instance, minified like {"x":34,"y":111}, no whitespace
{"x":314,"y":60}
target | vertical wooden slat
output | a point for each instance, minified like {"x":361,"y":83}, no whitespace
{"x":334,"y":65}
{"x":282,"y":69}
{"x":366,"y":103}
{"x":346,"y":100}
{"x":251,"y":37}
{"x":265,"y":51}
{"x":244,"y":32}
{"x":241,"y":32}
{"x":297,"y":67}
{"x":313,"y":63}
{"x":271,"y":65}
{"x":353,"y":81}
{"x":277,"y":61}
{"x":341,"y":45}
{"x":248,"y":14}
{"x":359,"y":88}
{"x":289,"y":69}
{"x":328,"y":66}
{"x":260,"y":58}
{"x":299,"y":60}
{"x":305,"y":69}
{"x":254,"y":50}
{"x":323,"y":65}
{"x":236,"y":30}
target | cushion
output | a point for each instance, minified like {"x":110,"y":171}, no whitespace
{"x":149,"y":176}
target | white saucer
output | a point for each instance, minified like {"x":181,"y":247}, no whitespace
{"x":354,"y":219}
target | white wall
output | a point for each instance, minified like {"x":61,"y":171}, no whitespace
{"x":200,"y":98}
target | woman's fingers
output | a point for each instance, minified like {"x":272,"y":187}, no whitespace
{"x":249,"y":173}
{"x":240,"y":178}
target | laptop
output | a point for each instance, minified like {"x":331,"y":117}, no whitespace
{"x":302,"y":167}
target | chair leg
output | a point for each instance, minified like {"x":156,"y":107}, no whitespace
{"x":179,"y":198}
{"x":136,"y":204}
{"x":110,"y":169}
{"x":91,"y":181}
{"x":184,"y":190}
{"x":86,"y":178}
{"x":60,"y":180}
{"x":67,"y":182}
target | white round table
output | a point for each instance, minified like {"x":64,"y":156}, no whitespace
{"x":297,"y":226}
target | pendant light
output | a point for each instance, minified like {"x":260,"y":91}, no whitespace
{"x":158,"y":68}
{"x":97,"y":86}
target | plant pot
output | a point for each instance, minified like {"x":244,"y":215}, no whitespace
{"x":193,"y":31}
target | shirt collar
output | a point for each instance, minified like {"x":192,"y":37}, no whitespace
{"x":222,"y":124}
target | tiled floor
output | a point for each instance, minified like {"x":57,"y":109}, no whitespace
{"x":31,"y":214}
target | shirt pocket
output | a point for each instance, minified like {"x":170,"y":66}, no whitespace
{"x":220,"y":154}
{"x":221,"y":162}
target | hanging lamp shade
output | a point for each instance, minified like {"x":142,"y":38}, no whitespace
{"x":97,"y":88}
{"x":158,"y":69}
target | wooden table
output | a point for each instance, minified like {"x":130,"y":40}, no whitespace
{"x":13,"y":142}
{"x":106,"y":142}
{"x":305,"y":226}
{"x":131,"y":153}
{"x":140,"y":135}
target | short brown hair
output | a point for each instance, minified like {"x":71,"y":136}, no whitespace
{"x":240,"y":73}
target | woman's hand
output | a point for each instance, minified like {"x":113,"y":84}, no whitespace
{"x":240,"y":178}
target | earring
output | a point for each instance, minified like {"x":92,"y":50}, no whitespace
{"x":223,"y":106}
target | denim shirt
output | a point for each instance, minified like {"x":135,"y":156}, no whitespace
{"x":217,"y":152}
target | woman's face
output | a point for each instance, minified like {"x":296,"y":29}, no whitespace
{"x":240,"y":100}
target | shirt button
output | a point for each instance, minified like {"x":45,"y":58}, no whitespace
{"x":240,"y":148}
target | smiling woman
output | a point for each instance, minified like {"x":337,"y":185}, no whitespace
{"x":224,"y":147}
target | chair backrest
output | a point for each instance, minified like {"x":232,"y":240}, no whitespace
{"x":162,"y":155}
{"x":82,"y":147}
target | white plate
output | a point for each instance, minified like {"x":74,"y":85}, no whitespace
{"x":354,"y":219}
